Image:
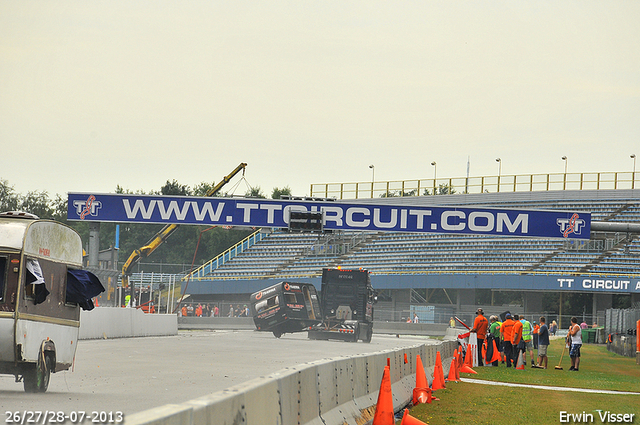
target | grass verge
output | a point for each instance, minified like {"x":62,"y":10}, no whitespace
{"x":468,"y":403}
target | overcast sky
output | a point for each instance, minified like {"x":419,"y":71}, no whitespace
{"x":95,"y":94}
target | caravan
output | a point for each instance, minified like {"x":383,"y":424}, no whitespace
{"x":42,"y":288}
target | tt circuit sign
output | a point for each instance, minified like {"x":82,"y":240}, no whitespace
{"x":336,"y":216}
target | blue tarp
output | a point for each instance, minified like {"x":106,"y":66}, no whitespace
{"x":83,"y":285}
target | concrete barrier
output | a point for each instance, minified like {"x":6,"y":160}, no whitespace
{"x":115,"y":322}
{"x":337,"y":391}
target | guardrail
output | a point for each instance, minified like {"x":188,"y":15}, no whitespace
{"x":327,"y":392}
{"x":227,"y":255}
{"x":429,"y":272}
{"x":484,"y":184}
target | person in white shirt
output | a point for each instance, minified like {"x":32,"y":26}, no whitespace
{"x":575,"y":332}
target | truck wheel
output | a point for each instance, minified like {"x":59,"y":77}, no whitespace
{"x":277,"y":334}
{"x":368,"y":335}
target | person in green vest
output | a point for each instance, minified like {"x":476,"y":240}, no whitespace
{"x":527,"y":337}
{"x":494,"y":334}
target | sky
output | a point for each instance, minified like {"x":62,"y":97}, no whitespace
{"x":96,"y":94}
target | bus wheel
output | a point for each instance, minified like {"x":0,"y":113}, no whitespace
{"x":277,"y":334}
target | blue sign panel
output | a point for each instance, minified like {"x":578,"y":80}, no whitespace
{"x":337,"y":215}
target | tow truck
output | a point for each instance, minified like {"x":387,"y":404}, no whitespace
{"x":346,"y":302}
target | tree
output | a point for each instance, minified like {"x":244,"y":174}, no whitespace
{"x":255,"y":192}
{"x":8,"y":198}
{"x":37,"y":203}
{"x":442,"y":189}
{"x":277,"y":192}
{"x":175,"y":188}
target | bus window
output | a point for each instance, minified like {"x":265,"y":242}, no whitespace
{"x":3,"y":275}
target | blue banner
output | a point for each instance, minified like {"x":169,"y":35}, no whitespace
{"x":254,"y":212}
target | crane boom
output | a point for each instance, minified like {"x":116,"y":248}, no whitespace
{"x":160,"y":237}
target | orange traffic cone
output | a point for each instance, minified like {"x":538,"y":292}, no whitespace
{"x":384,"y":406}
{"x":438,"y":374}
{"x":452,"y":371}
{"x":407,"y":419}
{"x":520,"y":364}
{"x":496,"y":353}
{"x":439,"y":360}
{"x":466,"y":367}
{"x":422,"y":392}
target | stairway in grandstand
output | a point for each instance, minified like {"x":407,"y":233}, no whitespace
{"x":288,"y":255}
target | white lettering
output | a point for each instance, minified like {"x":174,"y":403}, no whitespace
{"x":173,"y":208}
{"x":638,"y":286}
{"x":391,"y":224}
{"x":270,"y":211}
{"x":357,"y":210}
{"x":569,"y":282}
{"x":247,"y":210}
{"x":207,"y":208}
{"x":403,"y":219}
{"x":521,"y":220}
{"x":420,"y":214}
{"x":337,"y":217}
{"x":139,"y":206}
{"x":563,"y":417}
{"x":473,"y":225}
{"x":444,"y":220}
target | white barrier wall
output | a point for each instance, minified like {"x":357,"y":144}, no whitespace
{"x":115,"y":322}
{"x":327,"y":392}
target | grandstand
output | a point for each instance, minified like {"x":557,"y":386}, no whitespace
{"x":401,"y":261}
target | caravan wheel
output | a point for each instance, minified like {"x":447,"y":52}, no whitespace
{"x":36,"y":378}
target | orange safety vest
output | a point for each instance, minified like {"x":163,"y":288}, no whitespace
{"x":517,"y":332}
{"x":507,"y":330}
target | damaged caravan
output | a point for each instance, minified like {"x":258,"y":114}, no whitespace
{"x":42,"y":288}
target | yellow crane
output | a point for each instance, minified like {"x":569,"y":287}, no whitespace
{"x":160,"y":237}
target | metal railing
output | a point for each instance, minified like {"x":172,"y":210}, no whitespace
{"x":311,"y":274}
{"x":227,"y":255}
{"x":484,"y":184}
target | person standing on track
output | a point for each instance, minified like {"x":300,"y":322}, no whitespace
{"x":507,"y":334}
{"x":536,"y":329}
{"x":494,"y":336}
{"x":515,"y":340}
{"x":480,"y":328}
{"x":576,"y":342}
{"x":543,"y":343}
{"x":527,"y":337}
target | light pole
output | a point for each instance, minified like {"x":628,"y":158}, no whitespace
{"x":566,"y":162}
{"x":499,"y":161}
{"x":435,"y":170}
{"x":373,"y":177}
{"x":633,"y":175}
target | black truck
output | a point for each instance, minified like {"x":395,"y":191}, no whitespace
{"x":346,"y":302}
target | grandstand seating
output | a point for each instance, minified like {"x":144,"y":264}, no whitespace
{"x":282,"y":254}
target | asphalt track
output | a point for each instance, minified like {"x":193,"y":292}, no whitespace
{"x":135,"y":374}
